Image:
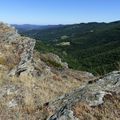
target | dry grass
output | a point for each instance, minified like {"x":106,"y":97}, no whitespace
{"x":28,"y":92}
{"x":1,"y":79}
{"x":34,"y":93}
{"x":110,"y":110}
{"x":8,"y":57}
{"x":2,"y":61}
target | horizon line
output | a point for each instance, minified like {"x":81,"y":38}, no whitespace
{"x":61,"y":23}
{"x":64,"y":23}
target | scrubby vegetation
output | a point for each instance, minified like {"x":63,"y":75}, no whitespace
{"x":54,"y":64}
{"x":29,"y":94}
{"x":101,"y":112}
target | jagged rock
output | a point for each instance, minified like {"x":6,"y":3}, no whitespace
{"x":7,"y":33}
{"x":91,"y":94}
{"x":26,"y":46}
{"x":64,"y":115}
{"x":21,"y":46}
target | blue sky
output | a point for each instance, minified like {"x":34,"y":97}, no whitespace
{"x":58,"y":11}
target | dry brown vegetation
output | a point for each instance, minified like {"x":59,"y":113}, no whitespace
{"x":24,"y":97}
{"x":8,"y":57}
{"x":109,"y":110}
{"x":31,"y":94}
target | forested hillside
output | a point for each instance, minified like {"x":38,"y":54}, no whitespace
{"x":94,"y":47}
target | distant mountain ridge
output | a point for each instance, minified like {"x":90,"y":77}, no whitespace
{"x":27,"y":27}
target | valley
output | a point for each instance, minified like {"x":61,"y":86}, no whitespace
{"x":93,"y":47}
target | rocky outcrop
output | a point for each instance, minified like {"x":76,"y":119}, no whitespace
{"x":91,"y":94}
{"x":8,"y":34}
{"x":25,"y":64}
{"x":53,"y":60}
{"x":18,"y":49}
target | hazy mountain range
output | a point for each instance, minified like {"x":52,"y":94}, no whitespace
{"x":26,"y":27}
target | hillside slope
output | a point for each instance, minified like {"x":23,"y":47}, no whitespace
{"x":93,"y":47}
{"x":39,"y":86}
{"x":29,"y":79}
